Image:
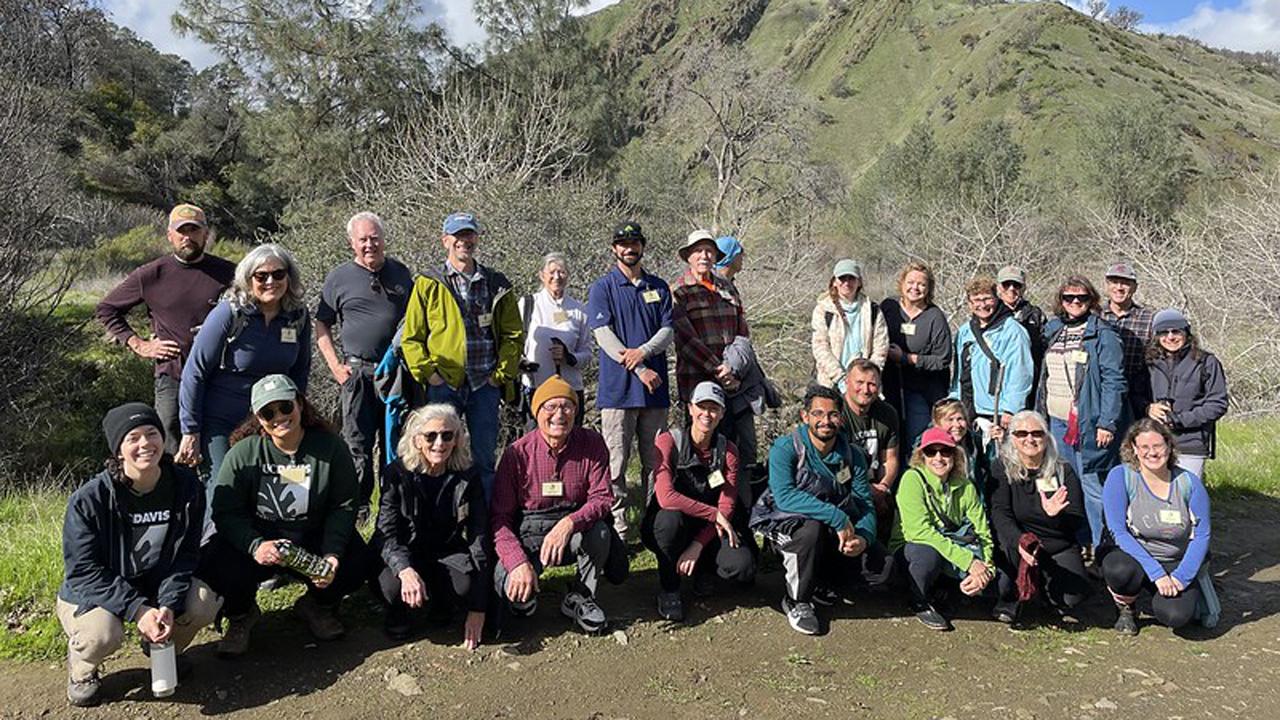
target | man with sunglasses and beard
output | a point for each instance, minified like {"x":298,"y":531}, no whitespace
{"x":366,"y":298}
{"x":178,"y":291}
{"x":630,"y":313}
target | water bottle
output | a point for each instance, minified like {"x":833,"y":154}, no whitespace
{"x":164,"y":669}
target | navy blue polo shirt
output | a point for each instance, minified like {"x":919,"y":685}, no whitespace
{"x":635,"y":313}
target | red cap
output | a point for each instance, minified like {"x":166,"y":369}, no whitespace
{"x":937,"y":436}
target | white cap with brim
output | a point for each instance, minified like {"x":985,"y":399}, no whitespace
{"x":707,"y":390}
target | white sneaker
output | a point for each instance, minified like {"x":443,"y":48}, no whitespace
{"x":584,"y":611}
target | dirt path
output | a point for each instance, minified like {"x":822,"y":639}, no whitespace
{"x":737,"y":658}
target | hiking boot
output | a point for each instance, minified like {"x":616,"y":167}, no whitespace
{"x":235,"y":641}
{"x":932,"y":619}
{"x":584,"y":611}
{"x":801,"y":616}
{"x":670,"y":607}
{"x":322,"y":621}
{"x":826,"y":597}
{"x":83,"y":693}
{"x":1127,"y":621}
{"x":396,"y":624}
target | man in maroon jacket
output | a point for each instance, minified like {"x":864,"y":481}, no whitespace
{"x":178,"y":290}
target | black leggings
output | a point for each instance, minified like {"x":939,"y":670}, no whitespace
{"x":448,"y":584}
{"x":1062,"y":574}
{"x":235,"y":575}
{"x":1126,"y":577}
{"x":668,"y":533}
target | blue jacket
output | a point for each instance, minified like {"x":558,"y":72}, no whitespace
{"x":1011,"y":345}
{"x":230,"y":355}
{"x":1100,"y":392}
{"x":95,"y":545}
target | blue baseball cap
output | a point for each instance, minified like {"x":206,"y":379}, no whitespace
{"x":460,"y":221}
{"x":731,"y":249}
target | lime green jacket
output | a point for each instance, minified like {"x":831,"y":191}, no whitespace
{"x":916,"y":521}
{"x":434,"y":337}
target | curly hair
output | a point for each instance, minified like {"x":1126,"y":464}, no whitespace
{"x":1129,"y":448}
{"x":981,"y":285}
{"x":411,"y":457}
{"x":930,"y":281}
{"x":311,"y":420}
{"x":1078,"y":281}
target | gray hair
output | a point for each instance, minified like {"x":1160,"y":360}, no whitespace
{"x":366,"y":216}
{"x":554,"y":257}
{"x":1009,"y":456}
{"x":241,"y":291}
{"x":411,"y":458}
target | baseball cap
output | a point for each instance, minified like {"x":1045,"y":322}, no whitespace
{"x":186,"y":214}
{"x":1122,"y":270}
{"x":707,"y":390}
{"x":628,"y":230}
{"x":937,"y":436}
{"x":272,"y":388}
{"x":1011,"y":273}
{"x":460,"y":221}
{"x":847,"y":267}
{"x":699,"y":236}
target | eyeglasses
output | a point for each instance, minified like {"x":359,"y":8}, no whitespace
{"x":278,"y":275}
{"x":1068,"y":298}
{"x":936,"y":450}
{"x":562,"y":407}
{"x":270,"y":410}
{"x":431,"y":435}
{"x":1021,"y":434}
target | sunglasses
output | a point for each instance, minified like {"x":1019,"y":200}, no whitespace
{"x":1073,"y":298}
{"x":277,"y":275}
{"x":1037,"y":434}
{"x":936,"y":450}
{"x":375,"y":285}
{"x":1011,"y":284}
{"x":281,"y":407}
{"x":1174,"y":331}
{"x":431,"y":435}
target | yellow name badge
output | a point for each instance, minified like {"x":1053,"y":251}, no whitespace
{"x":552,"y":489}
{"x":485,"y":320}
{"x":715,"y":479}
{"x":288,"y":335}
{"x":1047,"y":484}
{"x":1080,"y":357}
{"x":844,"y":476}
{"x":293,"y":474}
{"x":559,"y":316}
{"x":908,"y":329}
{"x":651,"y":296}
{"x":1170,"y":517}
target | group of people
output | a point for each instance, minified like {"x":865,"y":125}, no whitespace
{"x":234,"y":478}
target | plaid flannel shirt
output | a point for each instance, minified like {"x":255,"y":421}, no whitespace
{"x":475,"y":298}
{"x":705,"y":323}
{"x":1134,"y":328}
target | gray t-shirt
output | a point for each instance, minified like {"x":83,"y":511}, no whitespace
{"x":367,"y":305}
{"x":1163,"y":527}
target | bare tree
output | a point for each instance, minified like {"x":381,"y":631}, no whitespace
{"x":1125,"y":18}
{"x":1096,"y":8}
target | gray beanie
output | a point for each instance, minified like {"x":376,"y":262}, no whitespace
{"x":1170,"y":319}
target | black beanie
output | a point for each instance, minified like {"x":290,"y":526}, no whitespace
{"x":120,"y":420}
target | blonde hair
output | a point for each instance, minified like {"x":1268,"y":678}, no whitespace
{"x":928,"y":279}
{"x":959,"y":462}
{"x":411,"y":458}
{"x":944,"y":408}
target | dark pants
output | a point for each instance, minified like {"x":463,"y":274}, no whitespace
{"x":1062,"y":575}
{"x":811,"y":558}
{"x":597,"y":551}
{"x":739,"y":428}
{"x":668,"y":534}
{"x":923,"y":566}
{"x":235,"y":575}
{"x":362,"y":414}
{"x":1125,"y":577}
{"x":448,"y":583}
{"x":167,"y":409}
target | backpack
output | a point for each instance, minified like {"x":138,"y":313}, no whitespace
{"x":829,"y":317}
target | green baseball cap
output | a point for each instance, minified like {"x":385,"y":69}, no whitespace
{"x":272,"y":388}
{"x":847,"y":267}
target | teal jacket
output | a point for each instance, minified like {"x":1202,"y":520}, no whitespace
{"x":842,"y":473}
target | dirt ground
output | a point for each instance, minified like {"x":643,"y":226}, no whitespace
{"x":737,"y":658}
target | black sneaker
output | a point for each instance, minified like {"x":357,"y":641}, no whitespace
{"x":826,"y":597}
{"x":1126,"y":621}
{"x":396,"y":624}
{"x":932,"y":619}
{"x":670,"y":607}
{"x":801,"y":616}
{"x":1005,"y":613}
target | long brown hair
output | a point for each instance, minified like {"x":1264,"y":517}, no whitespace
{"x":1080,"y":281}
{"x":311,"y":420}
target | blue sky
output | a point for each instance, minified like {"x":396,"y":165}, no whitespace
{"x":1239,"y":24}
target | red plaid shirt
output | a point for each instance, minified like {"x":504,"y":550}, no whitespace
{"x":582,"y":469}
{"x":705,"y":323}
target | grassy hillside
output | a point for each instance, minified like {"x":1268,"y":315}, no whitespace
{"x":878,"y":67}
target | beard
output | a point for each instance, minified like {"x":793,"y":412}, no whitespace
{"x":189,"y":253}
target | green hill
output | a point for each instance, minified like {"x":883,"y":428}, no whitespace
{"x":876,"y":68}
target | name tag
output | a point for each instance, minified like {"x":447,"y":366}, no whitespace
{"x":288,"y":335}
{"x":908,"y":329}
{"x":844,"y":476}
{"x":559,"y":316}
{"x":1047,"y":484}
{"x":552,"y":489}
{"x":651,"y":296}
{"x":295,"y":474}
{"x":1080,"y":357}
{"x":485,"y":320}
{"x":715,"y":479}
{"x":1170,"y":517}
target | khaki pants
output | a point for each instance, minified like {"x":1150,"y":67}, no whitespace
{"x":94,"y":635}
{"x":622,"y":427}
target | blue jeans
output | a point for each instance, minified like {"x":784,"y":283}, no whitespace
{"x":214,"y":444}
{"x":479,"y":407}
{"x":1090,"y":485}
{"x":917,"y":415}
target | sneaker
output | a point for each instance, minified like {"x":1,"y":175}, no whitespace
{"x":670,"y":607}
{"x":801,"y":616}
{"x":1127,"y":621}
{"x":396,"y":624}
{"x":584,"y":611}
{"x":825,"y":597}
{"x":932,"y":619}
{"x":235,"y":641}
{"x":524,"y":609}
{"x":321,"y":621}
{"x":1005,"y":613}
{"x":83,"y":693}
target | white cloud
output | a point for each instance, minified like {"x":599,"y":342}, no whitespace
{"x":1254,"y":25}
